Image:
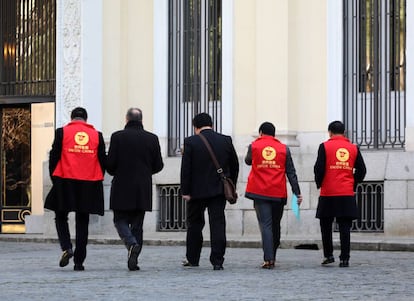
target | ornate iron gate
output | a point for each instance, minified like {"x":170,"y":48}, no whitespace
{"x":15,"y":165}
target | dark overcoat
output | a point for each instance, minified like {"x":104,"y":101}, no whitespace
{"x":74,"y":195}
{"x":134,"y":156}
{"x":199,"y":177}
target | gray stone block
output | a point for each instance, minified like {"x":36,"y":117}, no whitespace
{"x":250,"y":224}
{"x":234,"y":222}
{"x":399,"y":222}
{"x":376,"y":163}
{"x":400,"y":166}
{"x":34,"y":224}
{"x":410,"y":194}
{"x":395,"y":194}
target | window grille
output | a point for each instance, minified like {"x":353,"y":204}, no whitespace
{"x":172,"y":214}
{"x":194,"y":74}
{"x":374,"y":72}
{"x":28,"y":39}
{"x":370,"y":200}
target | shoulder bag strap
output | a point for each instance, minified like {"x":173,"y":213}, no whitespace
{"x":213,"y":156}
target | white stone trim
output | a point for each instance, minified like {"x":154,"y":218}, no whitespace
{"x":92,"y":60}
{"x":79,"y":59}
{"x":160,"y":89}
{"x":227,"y":63}
{"x":59,"y":62}
{"x":334,"y":45}
{"x":68,"y":59}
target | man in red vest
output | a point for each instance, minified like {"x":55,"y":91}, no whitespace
{"x":76,"y":167}
{"x":338,"y":169}
{"x":271,"y":162}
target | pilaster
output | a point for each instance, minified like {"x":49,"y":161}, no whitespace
{"x":68,"y":59}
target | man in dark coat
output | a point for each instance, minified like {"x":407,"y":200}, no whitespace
{"x":76,"y":167}
{"x":202,"y":188}
{"x":134,"y":156}
{"x":338,"y":169}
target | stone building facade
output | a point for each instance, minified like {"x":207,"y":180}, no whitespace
{"x":281,"y":61}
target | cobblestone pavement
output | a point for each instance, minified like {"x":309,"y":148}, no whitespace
{"x":30,"y":271}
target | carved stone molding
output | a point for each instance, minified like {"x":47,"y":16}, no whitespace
{"x":69,"y":33}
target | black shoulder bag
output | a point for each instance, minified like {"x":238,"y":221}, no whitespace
{"x":228,"y":185}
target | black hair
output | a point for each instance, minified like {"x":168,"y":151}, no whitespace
{"x":336,"y":127}
{"x":202,"y":119}
{"x":134,"y":114}
{"x":79,"y":113}
{"x":267,"y":128}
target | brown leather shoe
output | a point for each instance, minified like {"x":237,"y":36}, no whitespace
{"x":186,"y":263}
{"x":270,"y":264}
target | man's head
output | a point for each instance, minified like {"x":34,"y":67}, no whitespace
{"x":202,"y":120}
{"x":134,"y":114}
{"x":336,"y":128}
{"x":79,"y":113}
{"x":267,"y":128}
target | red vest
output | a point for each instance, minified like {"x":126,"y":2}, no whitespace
{"x":267,"y":176}
{"x":339,"y":167}
{"x":79,"y":158}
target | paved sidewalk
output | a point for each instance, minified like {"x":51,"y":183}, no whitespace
{"x":30,"y":271}
{"x":359,"y":241}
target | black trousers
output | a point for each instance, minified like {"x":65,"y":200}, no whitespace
{"x":129,"y":226}
{"x":344,"y":236}
{"x":195,"y":224}
{"x":81,"y":240}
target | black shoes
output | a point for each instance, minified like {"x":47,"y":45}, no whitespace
{"x":268,"y":265}
{"x":344,"y":264}
{"x":78,"y":267}
{"x":331,"y":259}
{"x":64,"y":260}
{"x":136,"y":268}
{"x":186,"y":263}
{"x":66,"y":255}
{"x":133,"y":253}
{"x":328,"y":260}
